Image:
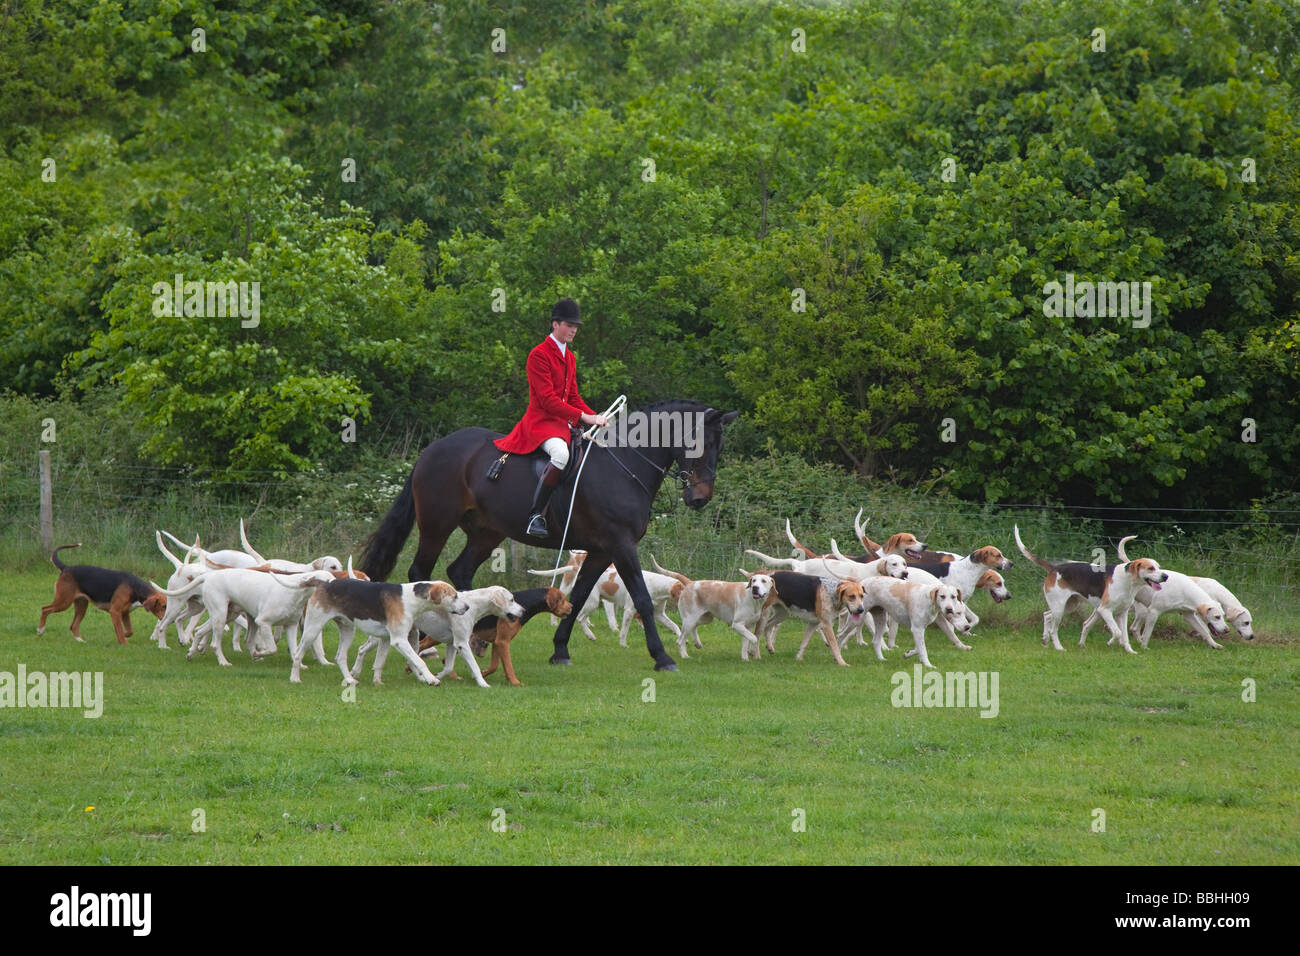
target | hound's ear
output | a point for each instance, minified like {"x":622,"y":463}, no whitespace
{"x":1133,"y":569}
{"x":959,"y":597}
{"x":934,"y":596}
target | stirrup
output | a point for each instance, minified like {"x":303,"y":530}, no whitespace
{"x":537,"y":527}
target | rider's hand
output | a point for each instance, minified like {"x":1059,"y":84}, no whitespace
{"x":600,"y":420}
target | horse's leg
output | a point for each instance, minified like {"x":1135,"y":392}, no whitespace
{"x":479,"y":543}
{"x":432,"y":539}
{"x":629,"y":568}
{"x":592,"y":568}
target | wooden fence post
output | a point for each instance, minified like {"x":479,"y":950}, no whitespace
{"x":47,"y":503}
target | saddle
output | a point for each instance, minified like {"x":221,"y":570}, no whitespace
{"x":538,"y":459}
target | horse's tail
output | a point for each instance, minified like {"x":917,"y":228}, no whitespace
{"x":383,"y":547}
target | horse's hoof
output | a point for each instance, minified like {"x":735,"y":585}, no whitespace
{"x":665,"y":666}
{"x":564,"y":661}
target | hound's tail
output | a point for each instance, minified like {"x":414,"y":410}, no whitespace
{"x":775,"y":562}
{"x":1029,"y":554}
{"x":1120,"y":549}
{"x":383,"y":547}
{"x":672,"y":574}
{"x":54,"y":555}
{"x":248,"y":548}
{"x":860,"y":529}
{"x":176,"y":562}
{"x":806,"y":552}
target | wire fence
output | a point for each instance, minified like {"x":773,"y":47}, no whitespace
{"x":115,"y":509}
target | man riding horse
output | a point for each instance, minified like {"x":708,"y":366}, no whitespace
{"x":554,"y":408}
{"x":462,"y":481}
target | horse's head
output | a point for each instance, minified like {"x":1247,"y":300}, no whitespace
{"x":699,"y":460}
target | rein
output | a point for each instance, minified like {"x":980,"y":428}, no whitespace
{"x":631,"y":474}
{"x":682,"y":477}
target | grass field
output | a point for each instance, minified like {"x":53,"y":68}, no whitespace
{"x":578,"y":766}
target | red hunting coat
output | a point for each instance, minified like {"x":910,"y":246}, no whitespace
{"x":553,"y":400}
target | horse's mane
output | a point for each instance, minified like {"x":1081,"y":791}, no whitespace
{"x":674,"y":405}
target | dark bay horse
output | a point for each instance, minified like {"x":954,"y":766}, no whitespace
{"x":449,"y":487}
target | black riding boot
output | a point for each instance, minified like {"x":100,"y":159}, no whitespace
{"x":545,"y":488}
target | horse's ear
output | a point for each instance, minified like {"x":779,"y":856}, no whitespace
{"x":729,"y":417}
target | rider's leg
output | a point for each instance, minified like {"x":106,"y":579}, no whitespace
{"x":558,"y":449}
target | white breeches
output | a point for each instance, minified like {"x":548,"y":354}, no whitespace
{"x":558,"y":449}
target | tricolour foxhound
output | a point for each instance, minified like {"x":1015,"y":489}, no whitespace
{"x":383,"y":610}
{"x":1111,"y":591}
{"x":817,"y":600}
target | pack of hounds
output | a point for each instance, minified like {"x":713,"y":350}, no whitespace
{"x":901,"y":581}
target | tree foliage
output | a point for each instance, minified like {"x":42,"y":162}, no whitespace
{"x":414,"y":184}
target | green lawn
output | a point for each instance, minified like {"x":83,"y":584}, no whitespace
{"x":575,"y":767}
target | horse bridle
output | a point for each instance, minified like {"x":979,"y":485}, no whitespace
{"x":682,"y":476}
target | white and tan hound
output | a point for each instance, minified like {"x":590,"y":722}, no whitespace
{"x":916,"y":604}
{"x":738,"y":604}
{"x":267,"y":600}
{"x":1179,"y":593}
{"x":1234,"y":612}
